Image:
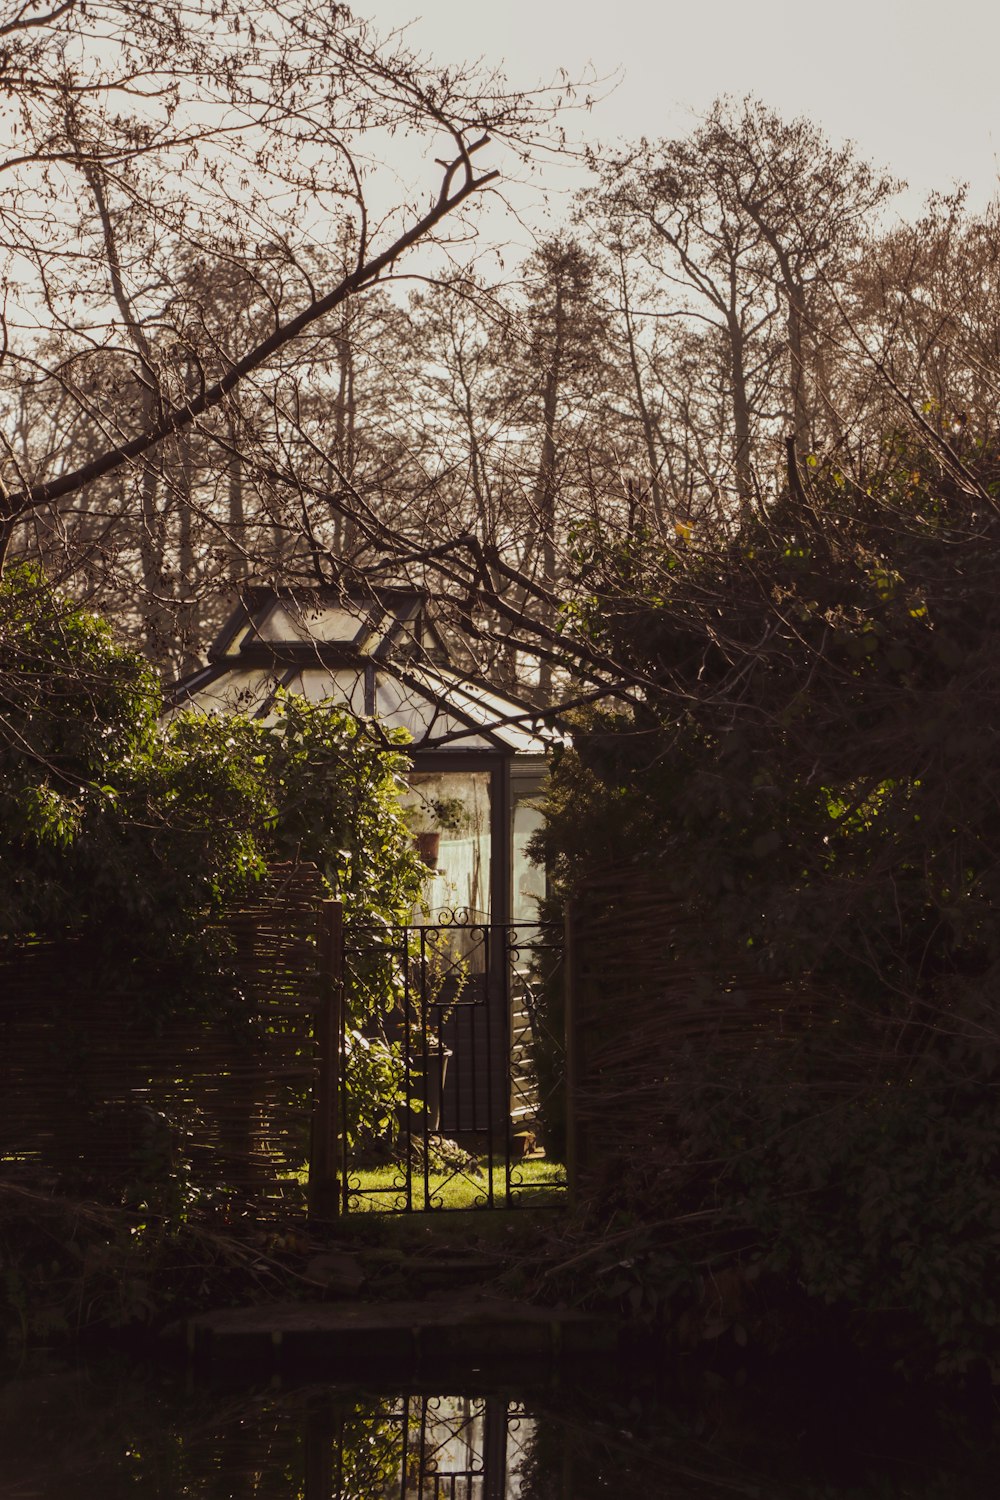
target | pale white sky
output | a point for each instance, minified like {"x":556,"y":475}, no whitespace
{"x":915,"y":84}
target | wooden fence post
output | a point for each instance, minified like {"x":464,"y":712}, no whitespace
{"x":572,"y":1051}
{"x":325,"y":1157}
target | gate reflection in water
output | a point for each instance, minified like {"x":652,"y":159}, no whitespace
{"x":417,"y":1448}
{"x":459,"y":1003}
{"x":114,"y":1431}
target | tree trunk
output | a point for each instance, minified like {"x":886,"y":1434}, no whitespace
{"x":742,"y":449}
{"x":545,"y":486}
{"x":237,"y":514}
{"x":648,"y":427}
{"x":152,"y":547}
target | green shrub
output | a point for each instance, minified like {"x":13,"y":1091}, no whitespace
{"x":805,"y":780}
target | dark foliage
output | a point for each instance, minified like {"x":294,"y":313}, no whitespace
{"x":126,"y":832}
{"x":808,"y":786}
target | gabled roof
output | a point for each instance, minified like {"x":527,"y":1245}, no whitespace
{"x":380,"y":655}
{"x":330,"y":622}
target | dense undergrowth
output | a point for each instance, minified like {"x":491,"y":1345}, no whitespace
{"x":76,"y":1271}
{"x":793,"y":829}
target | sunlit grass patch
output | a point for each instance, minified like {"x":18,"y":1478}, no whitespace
{"x":383,"y":1189}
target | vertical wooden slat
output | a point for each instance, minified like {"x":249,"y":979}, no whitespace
{"x":495,"y":1448}
{"x":571,"y":1043}
{"x":325,"y":1157}
{"x":318,"y":1452}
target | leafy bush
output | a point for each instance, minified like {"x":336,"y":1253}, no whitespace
{"x":129,"y":832}
{"x":805,"y":775}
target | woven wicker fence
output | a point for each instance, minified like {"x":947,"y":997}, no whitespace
{"x":113,"y":1092}
{"x":645,"y":997}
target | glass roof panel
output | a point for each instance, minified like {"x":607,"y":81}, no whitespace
{"x":513,"y":723}
{"x":428,"y":721}
{"x":327,"y":623}
{"x":237,"y":690}
{"x":345,"y":685}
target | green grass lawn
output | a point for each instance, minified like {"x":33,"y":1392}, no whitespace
{"x":381,"y":1189}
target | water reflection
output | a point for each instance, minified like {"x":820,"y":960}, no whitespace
{"x":113,"y":1432}
{"x":85,"y":1434}
{"x":418,"y":1448}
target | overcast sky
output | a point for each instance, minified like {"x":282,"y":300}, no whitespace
{"x":916,"y":85}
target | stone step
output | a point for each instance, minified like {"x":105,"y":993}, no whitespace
{"x":409,"y":1335}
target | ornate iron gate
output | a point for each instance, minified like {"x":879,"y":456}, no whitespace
{"x":416,"y":1447}
{"x":440,"y":1105}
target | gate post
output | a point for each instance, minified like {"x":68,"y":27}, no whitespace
{"x":325,"y":1165}
{"x":571,"y":1043}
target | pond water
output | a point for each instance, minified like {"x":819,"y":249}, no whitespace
{"x":113,"y":1430}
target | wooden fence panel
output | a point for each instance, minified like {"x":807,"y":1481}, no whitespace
{"x":119,"y":1093}
{"x":642,"y":994}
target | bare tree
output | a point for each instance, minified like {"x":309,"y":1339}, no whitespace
{"x":926,"y":309}
{"x":744,"y":225}
{"x":190,"y":203}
